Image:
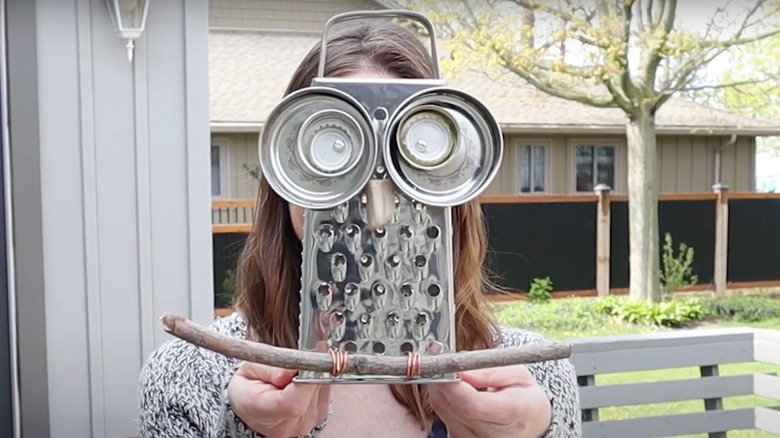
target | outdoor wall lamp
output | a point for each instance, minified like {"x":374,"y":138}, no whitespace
{"x":129,"y":18}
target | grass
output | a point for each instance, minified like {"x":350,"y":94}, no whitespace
{"x":576,"y":318}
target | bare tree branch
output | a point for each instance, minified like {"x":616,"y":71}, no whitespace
{"x":719,"y":86}
{"x":359,"y":364}
{"x":596,"y":100}
{"x":708,"y":50}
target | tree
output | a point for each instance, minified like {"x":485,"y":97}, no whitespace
{"x":758,"y":99}
{"x":628,"y":54}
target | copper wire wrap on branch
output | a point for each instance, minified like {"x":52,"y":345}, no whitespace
{"x":360,"y":364}
{"x":413,"y":365}
{"x":339,"y":359}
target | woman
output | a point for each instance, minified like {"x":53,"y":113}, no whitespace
{"x":187,"y":391}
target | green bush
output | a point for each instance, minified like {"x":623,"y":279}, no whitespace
{"x":677,"y":270}
{"x":742,"y":308}
{"x":574,"y":317}
{"x":675,"y":313}
{"x":540,"y":290}
{"x":227,"y":294}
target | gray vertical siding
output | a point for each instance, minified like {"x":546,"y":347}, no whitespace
{"x":113,"y":202}
{"x":23,"y":102}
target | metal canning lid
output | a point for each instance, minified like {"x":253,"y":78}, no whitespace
{"x":473,"y":160}
{"x":427,"y":137}
{"x":297,"y":154}
{"x":330,"y":143}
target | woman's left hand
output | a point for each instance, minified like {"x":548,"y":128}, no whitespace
{"x":501,"y":402}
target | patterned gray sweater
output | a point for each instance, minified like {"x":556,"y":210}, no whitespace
{"x":182,"y":389}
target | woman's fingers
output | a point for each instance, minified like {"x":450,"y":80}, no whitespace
{"x":498,"y":378}
{"x":463,"y":401}
{"x":278,"y":377}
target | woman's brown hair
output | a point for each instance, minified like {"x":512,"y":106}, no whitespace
{"x":269,"y":268}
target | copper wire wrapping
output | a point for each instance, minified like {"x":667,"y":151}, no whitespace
{"x":413,"y":364}
{"x":339,"y":359}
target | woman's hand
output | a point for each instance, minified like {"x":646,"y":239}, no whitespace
{"x":501,"y":402}
{"x":269,"y":403}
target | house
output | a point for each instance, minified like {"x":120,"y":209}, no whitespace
{"x":553,"y":146}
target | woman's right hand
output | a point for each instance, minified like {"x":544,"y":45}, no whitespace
{"x":270,"y":404}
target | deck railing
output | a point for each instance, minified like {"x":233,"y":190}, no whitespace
{"x":707,"y":350}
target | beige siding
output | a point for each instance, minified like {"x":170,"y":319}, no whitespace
{"x":738,"y":164}
{"x":299,"y":15}
{"x":685,"y":163}
{"x":241,"y":149}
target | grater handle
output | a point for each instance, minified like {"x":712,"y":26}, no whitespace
{"x":392,"y":13}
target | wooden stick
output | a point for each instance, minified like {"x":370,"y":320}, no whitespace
{"x":360,"y":364}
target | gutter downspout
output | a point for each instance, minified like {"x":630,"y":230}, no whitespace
{"x":719,"y":157}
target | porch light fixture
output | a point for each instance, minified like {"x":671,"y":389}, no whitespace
{"x":129,"y":18}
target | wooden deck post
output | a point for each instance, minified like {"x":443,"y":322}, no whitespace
{"x":603,"y":227}
{"x":721,"y":239}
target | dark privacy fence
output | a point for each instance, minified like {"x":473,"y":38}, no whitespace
{"x":558,"y":236}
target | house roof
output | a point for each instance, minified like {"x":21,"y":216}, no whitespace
{"x":249,"y":72}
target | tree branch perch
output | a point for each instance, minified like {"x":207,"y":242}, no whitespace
{"x":359,"y":364}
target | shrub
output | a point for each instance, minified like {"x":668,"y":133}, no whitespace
{"x":226,"y":296}
{"x":676,"y":271}
{"x":742,"y":308}
{"x":540,"y":290}
{"x":675,"y":313}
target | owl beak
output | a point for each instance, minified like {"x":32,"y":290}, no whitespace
{"x":381,"y":202}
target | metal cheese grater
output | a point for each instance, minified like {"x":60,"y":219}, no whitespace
{"x":378,"y":166}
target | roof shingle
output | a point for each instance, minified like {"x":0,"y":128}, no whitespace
{"x":249,"y":72}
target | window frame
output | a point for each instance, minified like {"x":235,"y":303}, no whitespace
{"x":546,"y":144}
{"x":224,"y":167}
{"x":619,"y":147}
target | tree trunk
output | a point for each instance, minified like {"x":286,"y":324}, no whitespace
{"x":644,"y":255}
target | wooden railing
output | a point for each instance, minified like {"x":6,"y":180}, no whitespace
{"x":232,"y":215}
{"x":242,"y":211}
{"x":706,"y":350}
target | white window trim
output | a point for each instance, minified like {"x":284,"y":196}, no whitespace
{"x":548,"y":164}
{"x":620,"y":169}
{"x":224,"y":166}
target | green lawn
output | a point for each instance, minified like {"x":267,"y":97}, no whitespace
{"x":581,"y":323}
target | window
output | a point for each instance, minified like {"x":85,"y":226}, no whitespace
{"x":533,"y":168}
{"x":595,"y":164}
{"x":218,"y":169}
